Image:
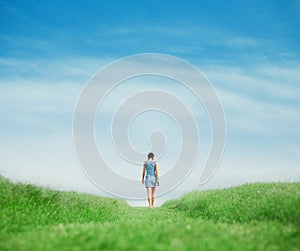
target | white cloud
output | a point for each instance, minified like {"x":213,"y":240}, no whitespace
{"x":37,"y":107}
{"x":273,"y":81}
{"x":61,"y":69}
{"x":241,"y":42}
{"x":264,"y":100}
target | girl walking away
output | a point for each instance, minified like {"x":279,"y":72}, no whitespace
{"x":151,"y":181}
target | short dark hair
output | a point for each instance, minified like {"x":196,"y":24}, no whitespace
{"x":150,"y":155}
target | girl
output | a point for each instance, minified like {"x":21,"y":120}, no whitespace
{"x":150,"y":168}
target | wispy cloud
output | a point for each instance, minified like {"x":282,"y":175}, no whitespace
{"x":261,"y":99}
{"x":264,"y":99}
{"x":271,"y":82}
{"x":260,"y":102}
{"x":241,"y":42}
{"x":50,"y":70}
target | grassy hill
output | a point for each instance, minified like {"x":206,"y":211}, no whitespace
{"x":256,"y":216}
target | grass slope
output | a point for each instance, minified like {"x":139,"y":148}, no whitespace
{"x":250,"y":217}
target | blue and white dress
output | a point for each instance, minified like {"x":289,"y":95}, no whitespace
{"x":151,"y":176}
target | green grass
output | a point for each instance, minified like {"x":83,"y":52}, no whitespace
{"x":260,"y":216}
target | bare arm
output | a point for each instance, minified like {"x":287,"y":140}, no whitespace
{"x":157,"y":173}
{"x":143,"y":174}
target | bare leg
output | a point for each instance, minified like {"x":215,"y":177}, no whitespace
{"x":153,"y":196}
{"x":149,"y":196}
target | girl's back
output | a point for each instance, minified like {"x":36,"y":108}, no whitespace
{"x":150,"y":169}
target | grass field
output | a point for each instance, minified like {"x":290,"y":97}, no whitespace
{"x":256,"y":216}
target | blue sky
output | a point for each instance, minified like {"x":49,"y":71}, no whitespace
{"x":249,"y":50}
{"x":224,"y":30}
